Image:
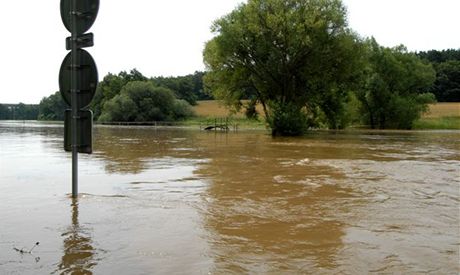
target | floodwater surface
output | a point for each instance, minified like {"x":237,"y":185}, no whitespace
{"x":184,"y":201}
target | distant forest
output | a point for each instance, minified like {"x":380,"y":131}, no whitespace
{"x":19,"y":111}
{"x":190,"y":88}
{"x":446,"y":63}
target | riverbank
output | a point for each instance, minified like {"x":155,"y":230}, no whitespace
{"x":444,"y":115}
{"x":440,"y":123}
{"x":440,"y":116}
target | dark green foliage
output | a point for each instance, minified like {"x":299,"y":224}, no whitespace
{"x":405,"y":110}
{"x":189,"y":87}
{"x":182,"y":110}
{"x":182,"y":87}
{"x":108,"y":97}
{"x":19,"y":111}
{"x":251,"y":112}
{"x":111,"y":86}
{"x":435,"y":56}
{"x":447,"y":84}
{"x":333,"y":106}
{"x":198,"y":87}
{"x":4,"y":112}
{"x":287,"y":119}
{"x":395,"y":93}
{"x":142,"y":101}
{"x":52,"y":107}
{"x":447,"y":65}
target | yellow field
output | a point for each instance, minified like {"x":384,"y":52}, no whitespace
{"x":443,"y":109}
{"x":210,"y":108}
{"x":215,"y":108}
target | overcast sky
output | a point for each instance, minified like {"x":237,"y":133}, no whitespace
{"x":166,"y":37}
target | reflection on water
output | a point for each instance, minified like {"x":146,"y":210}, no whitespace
{"x":78,"y":249}
{"x":177,"y":201}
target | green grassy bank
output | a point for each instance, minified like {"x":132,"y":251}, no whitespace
{"x":440,"y":116}
{"x":438,"y":123}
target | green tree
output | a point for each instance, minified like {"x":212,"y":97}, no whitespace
{"x":293,"y":55}
{"x":447,"y":65}
{"x":27,"y":111}
{"x":198,"y":86}
{"x":251,"y":111}
{"x":52,"y":107}
{"x":111,"y":86}
{"x":447,"y":84}
{"x":395,"y":92}
{"x":183,"y":87}
{"x":435,"y":56}
{"x":19,"y":111}
{"x":4,"y":113}
{"x":188,"y":87}
{"x":143,"y":101}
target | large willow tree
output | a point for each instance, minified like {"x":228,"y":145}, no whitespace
{"x":295,"y":57}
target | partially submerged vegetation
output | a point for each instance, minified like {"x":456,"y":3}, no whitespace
{"x":304,"y":65}
{"x":437,"y":116}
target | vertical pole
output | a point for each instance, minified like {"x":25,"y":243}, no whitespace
{"x":74,"y":98}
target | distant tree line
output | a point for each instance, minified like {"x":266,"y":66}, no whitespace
{"x":19,"y":111}
{"x":131,"y":96}
{"x":446,"y":63}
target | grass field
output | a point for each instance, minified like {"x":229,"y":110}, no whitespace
{"x":444,"y":109}
{"x":211,"y":108}
{"x":439,"y":116}
{"x":215,"y":108}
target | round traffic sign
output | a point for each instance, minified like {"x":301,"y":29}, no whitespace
{"x":86,"y":12}
{"x":87,"y":78}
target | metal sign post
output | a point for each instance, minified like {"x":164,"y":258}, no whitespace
{"x":73,"y":92}
{"x":78,"y":80}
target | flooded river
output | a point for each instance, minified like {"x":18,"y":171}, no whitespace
{"x":184,"y":201}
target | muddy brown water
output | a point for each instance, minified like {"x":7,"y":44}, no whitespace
{"x":184,"y":201}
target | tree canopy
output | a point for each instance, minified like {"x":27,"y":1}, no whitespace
{"x":291,"y":56}
{"x":142,"y":101}
{"x":447,"y":65}
{"x":447,"y":84}
{"x":52,"y":107}
{"x":188,"y":87}
{"x":19,"y":111}
{"x":396,"y":89}
{"x":111,"y":86}
{"x":435,"y":56}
